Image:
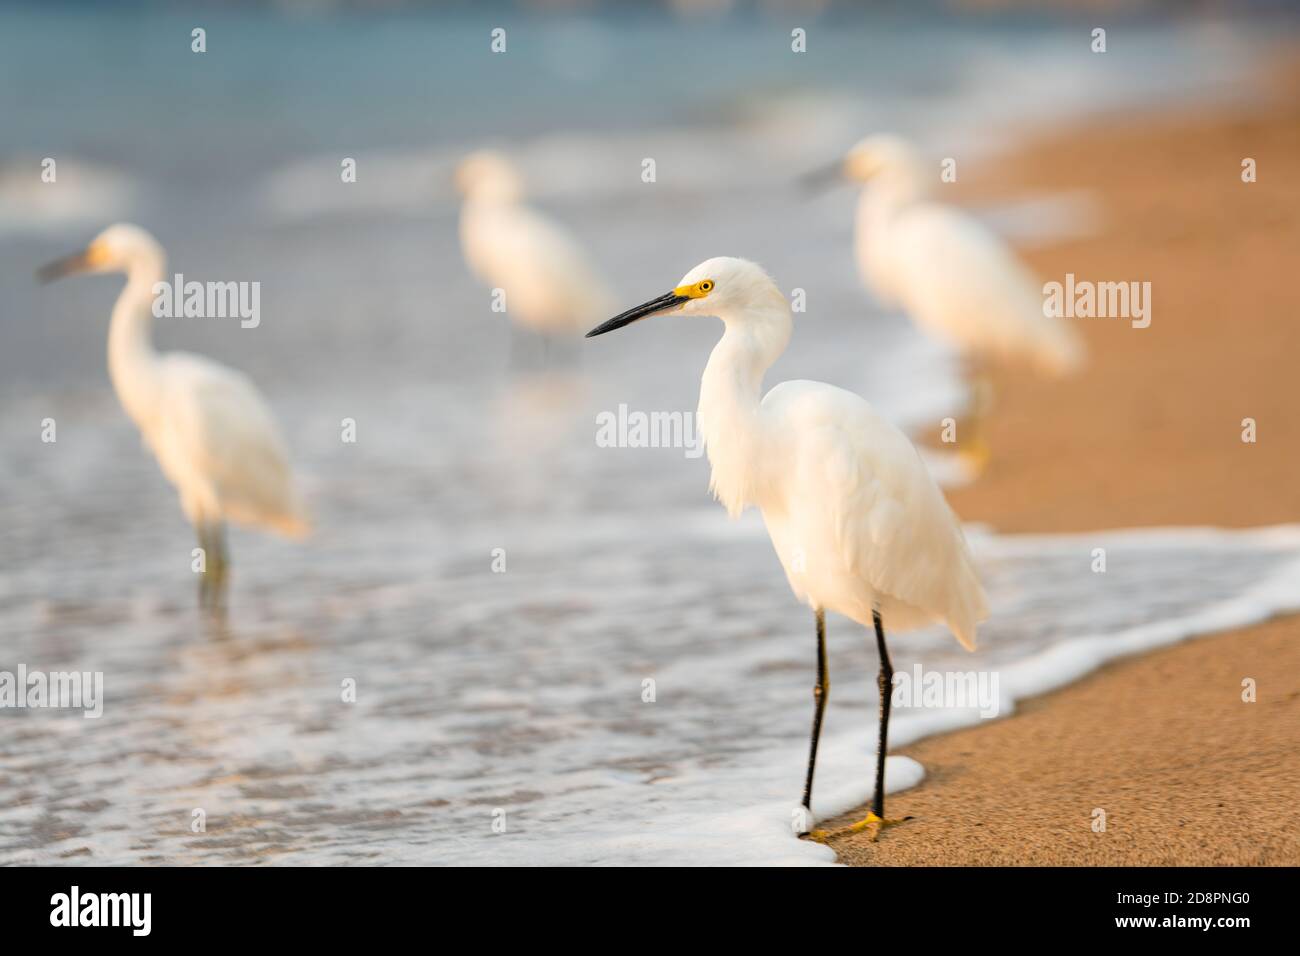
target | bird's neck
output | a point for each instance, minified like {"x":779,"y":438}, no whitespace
{"x":132,"y":360}
{"x":900,"y":185}
{"x":730,"y":410}
{"x":880,"y":204}
{"x":883,"y":199}
{"x":495,"y":194}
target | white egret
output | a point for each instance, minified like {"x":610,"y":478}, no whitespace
{"x":550,"y":284}
{"x":956,"y":279}
{"x":211,"y":431}
{"x":857,"y":522}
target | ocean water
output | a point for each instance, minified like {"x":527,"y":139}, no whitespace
{"x":512,"y":695}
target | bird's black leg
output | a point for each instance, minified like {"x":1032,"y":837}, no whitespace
{"x":205,"y":579}
{"x":212,"y":582}
{"x":875,"y":820}
{"x":219,"y":567}
{"x":821,"y":690}
{"x":885,"y":681}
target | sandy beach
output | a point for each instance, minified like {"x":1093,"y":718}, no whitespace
{"x":1150,"y":434}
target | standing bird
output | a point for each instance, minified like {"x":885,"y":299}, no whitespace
{"x":211,"y":431}
{"x":550,"y":285}
{"x":858,"y":523}
{"x":956,"y":279}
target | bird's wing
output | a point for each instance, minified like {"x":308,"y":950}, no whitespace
{"x":548,"y":277}
{"x":962,"y":281}
{"x":217,"y":426}
{"x":866,"y":486}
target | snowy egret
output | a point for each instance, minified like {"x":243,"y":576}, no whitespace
{"x":857,"y":521}
{"x":550,"y":285}
{"x":211,"y":431}
{"x":957,"y":280}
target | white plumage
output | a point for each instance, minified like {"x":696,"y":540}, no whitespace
{"x":858,"y":523}
{"x":212,"y":433}
{"x":550,"y":284}
{"x":217,"y":442}
{"x":855,"y":517}
{"x":956,"y":279}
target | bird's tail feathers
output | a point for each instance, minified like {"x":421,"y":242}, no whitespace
{"x":969,"y":605}
{"x":1059,"y":350}
{"x":296,"y":526}
{"x":289,"y":519}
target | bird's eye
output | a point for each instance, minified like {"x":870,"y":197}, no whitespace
{"x":706,"y":285}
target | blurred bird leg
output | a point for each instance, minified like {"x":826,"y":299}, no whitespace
{"x":221,"y":570}
{"x":212,"y":583}
{"x":974,"y":446}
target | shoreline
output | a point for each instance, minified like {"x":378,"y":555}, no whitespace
{"x":1150,"y":434}
{"x":1025,"y":791}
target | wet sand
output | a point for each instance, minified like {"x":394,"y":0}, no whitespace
{"x":1149,"y":434}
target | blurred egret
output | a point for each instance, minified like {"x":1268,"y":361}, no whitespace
{"x":956,"y":279}
{"x":212,"y":433}
{"x":550,"y":285}
{"x":856,"y":520}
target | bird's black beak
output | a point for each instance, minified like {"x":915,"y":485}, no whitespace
{"x":68,"y":265}
{"x":669,"y":300}
{"x":822,"y":178}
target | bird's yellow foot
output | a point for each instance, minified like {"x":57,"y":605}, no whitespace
{"x":872,"y":824}
{"x":975,"y":455}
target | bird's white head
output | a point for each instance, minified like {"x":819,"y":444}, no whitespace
{"x":122,"y":247}
{"x":882,"y":160}
{"x":489,"y":175}
{"x":880,"y":155}
{"x":735,"y":290}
